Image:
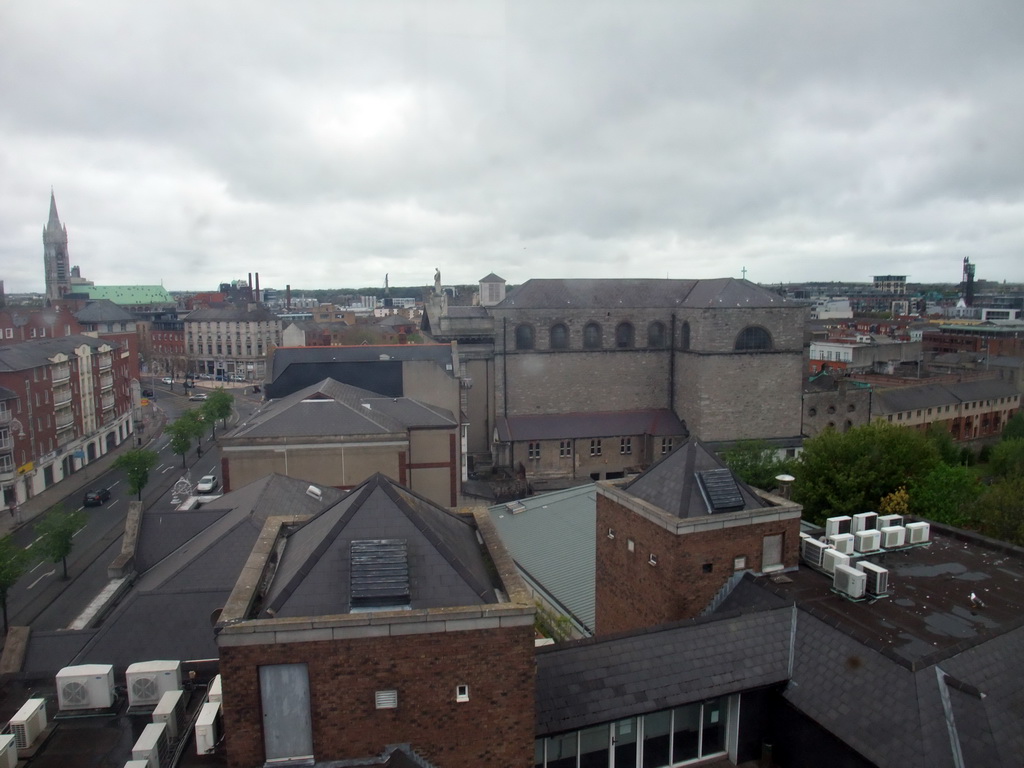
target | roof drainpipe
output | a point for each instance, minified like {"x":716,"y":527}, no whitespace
{"x":672,"y":367}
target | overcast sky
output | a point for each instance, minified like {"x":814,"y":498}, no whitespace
{"x":324,"y":144}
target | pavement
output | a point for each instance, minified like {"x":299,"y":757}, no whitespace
{"x":153,"y":419}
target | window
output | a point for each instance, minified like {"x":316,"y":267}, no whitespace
{"x":524,"y":337}
{"x":624,"y":335}
{"x":559,"y":335}
{"x":851,"y":408}
{"x":812,"y":411}
{"x":666,"y":445}
{"x":592,"y":336}
{"x":656,"y":335}
{"x":565,"y":449}
{"x":753,"y":338}
{"x":626,"y":446}
{"x":533,"y":450}
{"x":684,"y":337}
{"x":462,"y":693}
{"x":595,"y":447}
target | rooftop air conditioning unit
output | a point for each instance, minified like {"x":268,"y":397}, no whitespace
{"x":849,"y":581}
{"x":314,"y":492}
{"x":8,"y":751}
{"x":864,"y":521}
{"x":841,"y":524}
{"x":877,"y":578}
{"x":832,"y":558}
{"x":137,"y":764}
{"x":86,"y":686}
{"x":149,"y":680}
{"x":153,"y":745}
{"x":917,"y":533}
{"x":843,"y":542}
{"x":207,"y":728}
{"x":893,"y":536}
{"x":867,"y":541}
{"x":811,"y":551}
{"x":171,"y":712}
{"x":214,"y":694}
{"x":29,"y":722}
{"x":884,"y":521}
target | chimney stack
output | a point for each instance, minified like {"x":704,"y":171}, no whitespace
{"x":785,"y":485}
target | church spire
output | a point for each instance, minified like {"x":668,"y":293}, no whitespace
{"x":53,"y":225}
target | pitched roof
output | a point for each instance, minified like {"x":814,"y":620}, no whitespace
{"x":446,"y":567}
{"x":651,"y":421}
{"x":131,"y":295}
{"x":102,"y":311}
{"x":38,"y":352}
{"x":934,"y":395}
{"x":491,"y":278}
{"x":227,"y":313}
{"x":603,"y":293}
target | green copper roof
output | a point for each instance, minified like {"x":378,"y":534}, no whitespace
{"x":130,"y":295}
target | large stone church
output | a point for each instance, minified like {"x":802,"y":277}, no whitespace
{"x":597,"y":378}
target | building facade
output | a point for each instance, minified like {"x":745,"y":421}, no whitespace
{"x":234,"y":340}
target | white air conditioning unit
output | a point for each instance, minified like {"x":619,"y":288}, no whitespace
{"x":152,"y":746}
{"x":884,"y":521}
{"x":149,"y":680}
{"x":835,"y":525}
{"x":29,"y":722}
{"x":849,"y":581}
{"x":917,"y":533}
{"x":832,"y":558}
{"x":171,"y":712}
{"x":864,"y":521}
{"x":867,"y":541}
{"x":8,"y":751}
{"x":843,"y":542}
{"x":86,"y":686}
{"x":893,"y":536}
{"x":137,"y":764}
{"x":215,"y":694}
{"x":810,"y":551}
{"x":877,"y":578}
{"x":208,"y":728}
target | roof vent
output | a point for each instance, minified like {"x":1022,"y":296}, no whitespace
{"x":314,"y":492}
{"x":720,"y":491}
{"x":515,"y":507}
{"x":379,"y":574}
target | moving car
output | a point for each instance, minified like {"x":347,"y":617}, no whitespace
{"x":167,"y":380}
{"x":96,"y":497}
{"x":207,"y":484}
{"x":147,"y":393}
{"x":198,"y":396}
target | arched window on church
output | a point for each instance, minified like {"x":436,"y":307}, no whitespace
{"x":753,"y":338}
{"x":524,"y":336}
{"x":684,"y":336}
{"x":559,"y":336}
{"x":624,"y":335}
{"x":592,"y":336}
{"x":656,"y":335}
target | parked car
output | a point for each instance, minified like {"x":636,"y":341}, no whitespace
{"x":207,"y":484}
{"x":167,"y":380}
{"x":96,"y":497}
{"x":198,"y":396}
{"x":147,"y":393}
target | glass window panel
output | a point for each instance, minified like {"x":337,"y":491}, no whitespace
{"x":625,"y":742}
{"x":686,"y":733}
{"x":538,"y":753}
{"x":594,"y":747}
{"x":562,"y":751}
{"x":713,"y":739}
{"x":657,"y":731}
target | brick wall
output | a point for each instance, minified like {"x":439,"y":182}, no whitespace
{"x":494,"y":728}
{"x":632,"y":594}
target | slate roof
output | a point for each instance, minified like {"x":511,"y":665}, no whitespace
{"x":466,"y":312}
{"x":552,"y":540}
{"x":491,"y":278}
{"x":605,"y":679}
{"x":653,"y":421}
{"x":103,"y":311}
{"x":7,"y":394}
{"x":638,"y":292}
{"x":331,"y":408}
{"x":671,"y":483}
{"x":131,"y":295}
{"x":37,"y":352}
{"x":228,"y":313}
{"x":934,"y":395}
{"x":446,"y":565}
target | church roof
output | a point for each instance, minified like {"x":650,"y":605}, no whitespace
{"x":129,"y":295}
{"x":53,"y":225}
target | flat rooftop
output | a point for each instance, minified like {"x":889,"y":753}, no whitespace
{"x":928,"y":614}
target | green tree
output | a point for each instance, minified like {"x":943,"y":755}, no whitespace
{"x":183,"y":430}
{"x":943,"y":441}
{"x":946,"y":494}
{"x":1006,"y":458}
{"x":842,"y":473}
{"x":218,"y":406}
{"x":999,"y":513}
{"x":56,"y":533}
{"x":13,"y":561}
{"x":757,"y":463}
{"x":1014,"y":429}
{"x":137,"y":464}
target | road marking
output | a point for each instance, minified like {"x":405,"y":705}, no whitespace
{"x":37,"y":565}
{"x":38,"y":539}
{"x":41,"y":578}
{"x":79,"y":530}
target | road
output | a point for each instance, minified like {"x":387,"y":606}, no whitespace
{"x":42,"y":598}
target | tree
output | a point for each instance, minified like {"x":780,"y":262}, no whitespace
{"x":999,"y":513}
{"x":843,"y":473}
{"x":1007,"y":458}
{"x":218,"y":406}
{"x":1014,"y":429}
{"x":757,"y":463}
{"x":946,"y":494}
{"x":943,"y":441}
{"x":137,"y":464}
{"x":183,"y":430}
{"x":56,"y":533}
{"x":13,"y":561}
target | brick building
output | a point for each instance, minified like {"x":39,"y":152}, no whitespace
{"x":64,"y":402}
{"x":671,"y":539}
{"x":968,"y":410}
{"x":834,"y":403}
{"x":23,"y":324}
